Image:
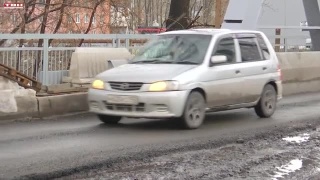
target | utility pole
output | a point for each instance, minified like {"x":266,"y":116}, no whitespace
{"x":218,"y":10}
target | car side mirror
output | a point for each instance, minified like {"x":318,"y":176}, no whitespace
{"x":116,"y":62}
{"x":218,"y":59}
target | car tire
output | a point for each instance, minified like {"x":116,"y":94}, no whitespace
{"x":268,"y":102}
{"x":109,"y":119}
{"x":194,"y":111}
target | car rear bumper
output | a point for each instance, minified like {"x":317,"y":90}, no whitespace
{"x":150,"y":104}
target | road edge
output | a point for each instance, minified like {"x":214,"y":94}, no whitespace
{"x":40,"y":107}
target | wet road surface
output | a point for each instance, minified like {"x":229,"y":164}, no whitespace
{"x":63,"y":145}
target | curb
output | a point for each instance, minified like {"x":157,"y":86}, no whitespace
{"x":62,"y":104}
{"x":40,"y":107}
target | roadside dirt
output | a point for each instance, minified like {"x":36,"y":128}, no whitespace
{"x":292,"y":156}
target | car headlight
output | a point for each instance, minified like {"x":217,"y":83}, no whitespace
{"x":97,"y":84}
{"x":164,"y":86}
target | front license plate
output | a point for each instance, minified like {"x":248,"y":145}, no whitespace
{"x":130,"y":100}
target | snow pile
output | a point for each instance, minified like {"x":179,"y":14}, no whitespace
{"x":6,"y":84}
{"x":9,"y":90}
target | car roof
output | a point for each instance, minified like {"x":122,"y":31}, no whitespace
{"x":209,"y":31}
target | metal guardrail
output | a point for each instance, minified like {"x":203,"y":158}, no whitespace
{"x":290,"y":27}
{"x":55,"y":61}
{"x":289,"y":38}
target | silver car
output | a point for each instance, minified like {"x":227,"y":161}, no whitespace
{"x":184,"y":74}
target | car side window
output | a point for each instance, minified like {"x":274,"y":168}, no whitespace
{"x":227,"y":48}
{"x":249,"y":50}
{"x":263,"y":47}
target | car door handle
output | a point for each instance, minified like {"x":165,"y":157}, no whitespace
{"x":237,"y":71}
{"x":264,"y":68}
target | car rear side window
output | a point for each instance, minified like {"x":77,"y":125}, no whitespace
{"x":249,"y":49}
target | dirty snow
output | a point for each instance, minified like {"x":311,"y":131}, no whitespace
{"x":291,"y":167}
{"x":298,"y":139}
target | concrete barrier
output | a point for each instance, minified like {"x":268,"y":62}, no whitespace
{"x":86,"y":63}
{"x":301,"y":87}
{"x":300,"y":66}
{"x":301,"y":74}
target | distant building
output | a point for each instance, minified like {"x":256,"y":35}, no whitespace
{"x":75,"y":19}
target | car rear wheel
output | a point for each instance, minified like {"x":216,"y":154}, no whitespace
{"x":109,"y":119}
{"x":194,"y":112}
{"x":267,"y":103}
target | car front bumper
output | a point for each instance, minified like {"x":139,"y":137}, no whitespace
{"x":150,"y":104}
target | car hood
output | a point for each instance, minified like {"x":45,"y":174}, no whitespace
{"x":146,"y":73}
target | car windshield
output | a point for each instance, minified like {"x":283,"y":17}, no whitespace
{"x":174,"y":49}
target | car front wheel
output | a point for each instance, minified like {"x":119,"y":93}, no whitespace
{"x":267,"y":103}
{"x":194,"y":112}
{"x":109,"y":119}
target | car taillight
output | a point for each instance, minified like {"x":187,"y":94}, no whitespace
{"x":280,"y":72}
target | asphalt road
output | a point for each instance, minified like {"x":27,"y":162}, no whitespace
{"x":60,"y":146}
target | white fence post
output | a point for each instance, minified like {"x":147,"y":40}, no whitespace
{"x":45,"y":64}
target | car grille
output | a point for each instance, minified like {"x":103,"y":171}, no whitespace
{"x":126,"y":86}
{"x":125,"y":108}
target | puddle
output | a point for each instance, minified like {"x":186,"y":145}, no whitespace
{"x":298,"y":139}
{"x":284,"y":170}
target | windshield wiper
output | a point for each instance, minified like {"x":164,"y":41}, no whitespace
{"x":152,"y":61}
{"x":159,"y":61}
{"x":185,"y":62}
{"x":142,"y":61}
{"x":162,"y":62}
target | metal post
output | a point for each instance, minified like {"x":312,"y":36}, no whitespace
{"x":114,"y":42}
{"x":127,"y":43}
{"x":311,"y":8}
{"x":277,"y":40}
{"x":118,"y":43}
{"x":45,"y":64}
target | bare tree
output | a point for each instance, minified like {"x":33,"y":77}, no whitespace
{"x":93,"y":12}
{"x":178,"y":15}
{"x":52,"y":16}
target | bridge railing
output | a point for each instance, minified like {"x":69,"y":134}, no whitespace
{"x":289,"y":38}
{"x":49,"y":63}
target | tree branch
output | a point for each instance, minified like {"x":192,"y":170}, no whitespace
{"x":91,"y":19}
{"x":63,"y":6}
